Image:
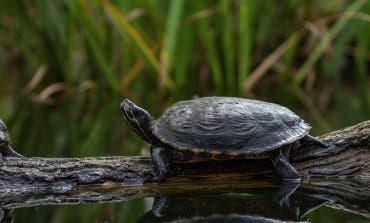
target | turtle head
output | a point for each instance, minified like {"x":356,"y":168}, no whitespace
{"x":138,"y":119}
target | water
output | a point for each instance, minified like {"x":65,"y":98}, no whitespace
{"x":133,"y":211}
{"x":179,"y":201}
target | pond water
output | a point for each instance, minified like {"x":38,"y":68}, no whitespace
{"x":257,"y":202}
{"x":139,"y":210}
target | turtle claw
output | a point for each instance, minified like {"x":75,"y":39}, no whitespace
{"x":8,"y":151}
{"x":161,"y":176}
{"x":5,"y":149}
{"x":6,"y":215}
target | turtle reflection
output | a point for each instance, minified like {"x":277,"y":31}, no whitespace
{"x":6,"y":215}
{"x":233,"y":207}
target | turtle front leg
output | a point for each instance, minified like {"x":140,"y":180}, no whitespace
{"x":283,"y":168}
{"x":161,"y":162}
{"x":160,"y":204}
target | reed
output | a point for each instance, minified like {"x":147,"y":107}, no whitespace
{"x":66,"y":65}
{"x":93,"y":53}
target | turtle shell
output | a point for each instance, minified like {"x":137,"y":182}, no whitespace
{"x":228,"y":125}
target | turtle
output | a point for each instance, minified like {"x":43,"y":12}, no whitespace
{"x":5,"y":149}
{"x":220,"y":128}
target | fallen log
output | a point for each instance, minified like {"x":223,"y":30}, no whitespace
{"x":348,"y":156}
{"x":337,"y":176}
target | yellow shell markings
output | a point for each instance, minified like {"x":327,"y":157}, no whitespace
{"x":196,"y":151}
{"x":233,"y":155}
{"x":214,"y":154}
{"x":200,"y":155}
{"x":236,"y":155}
{"x":256,"y":156}
{"x":197,"y":157}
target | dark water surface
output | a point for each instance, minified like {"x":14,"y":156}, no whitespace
{"x":257,"y":202}
{"x":139,"y":210}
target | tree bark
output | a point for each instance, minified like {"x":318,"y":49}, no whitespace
{"x":348,"y":156}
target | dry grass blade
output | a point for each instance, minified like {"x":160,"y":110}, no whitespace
{"x":125,"y":28}
{"x":326,"y":40}
{"x":36,"y":79}
{"x":127,"y":79}
{"x":362,"y":16}
{"x":130,"y":76}
{"x":202,"y":14}
{"x":273,"y":58}
{"x":45,"y":96}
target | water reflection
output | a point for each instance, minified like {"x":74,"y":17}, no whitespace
{"x":6,"y":215}
{"x":250,"y":206}
{"x":179,"y":201}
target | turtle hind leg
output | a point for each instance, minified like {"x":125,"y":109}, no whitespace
{"x":161,"y":162}
{"x":283,"y":168}
{"x":309,"y":139}
{"x":285,"y":191}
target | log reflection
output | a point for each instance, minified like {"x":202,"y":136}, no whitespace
{"x":216,"y":198}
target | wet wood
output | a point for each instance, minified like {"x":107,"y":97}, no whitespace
{"x":348,"y":156}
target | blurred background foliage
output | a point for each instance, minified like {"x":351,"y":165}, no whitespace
{"x":66,"y":65}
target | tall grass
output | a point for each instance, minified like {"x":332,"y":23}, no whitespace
{"x":307,"y":56}
{"x":66,"y":65}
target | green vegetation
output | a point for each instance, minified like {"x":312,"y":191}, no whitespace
{"x":65,"y":66}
